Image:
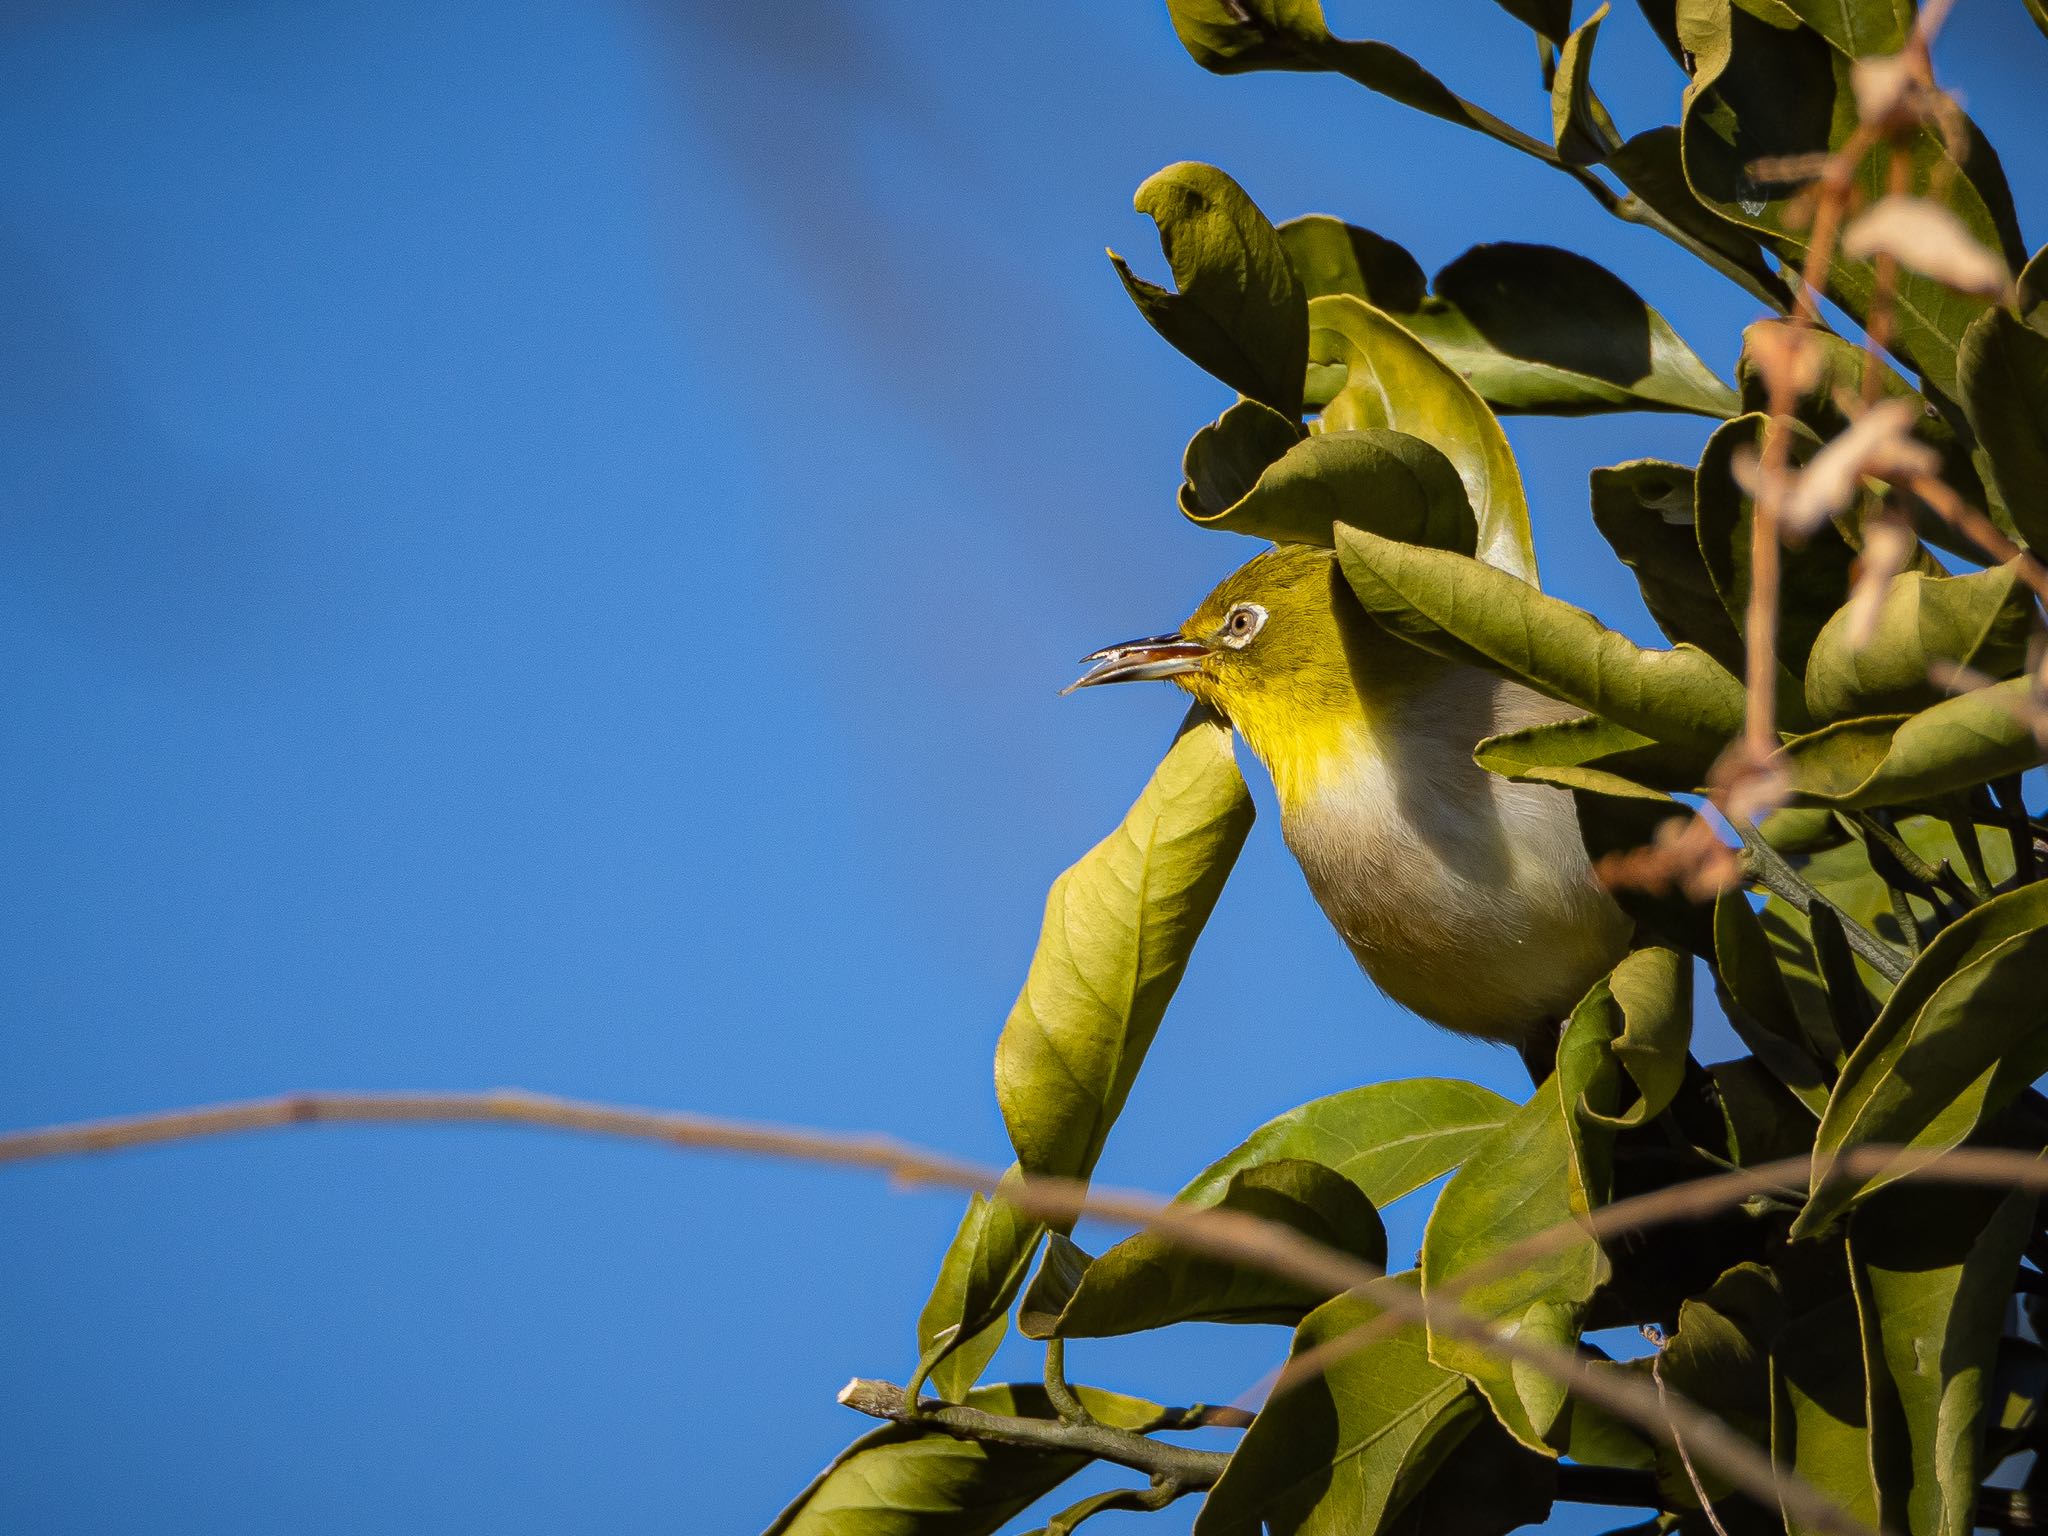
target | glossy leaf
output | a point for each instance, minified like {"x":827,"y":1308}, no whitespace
{"x":1644,"y":509}
{"x":1344,"y":1453}
{"x":1911,"y":759}
{"x":1119,"y":927}
{"x":1937,"y":1265}
{"x":900,"y":1480}
{"x":1761,"y":91}
{"x":1387,"y":1138}
{"x":1230,"y":37}
{"x":1393,"y":381}
{"x":1391,"y":482}
{"x":1960,"y":1036}
{"x":1579,"y":124}
{"x":2004,"y":384}
{"x":1981,"y":621}
{"x":1468,"y":611}
{"x":1550,"y":1162}
{"x":1240,"y":313}
{"x":1150,"y":1281}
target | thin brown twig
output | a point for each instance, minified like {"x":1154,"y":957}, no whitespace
{"x":1231,"y":1235}
{"x":1692,"y":1476}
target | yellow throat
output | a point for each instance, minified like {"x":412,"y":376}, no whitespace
{"x":1465,"y":897}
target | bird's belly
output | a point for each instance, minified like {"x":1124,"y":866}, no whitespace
{"x":1477,"y":911}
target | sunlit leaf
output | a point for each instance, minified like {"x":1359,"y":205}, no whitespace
{"x":1394,"y":381}
{"x":1240,"y":313}
{"x":1593,"y":754}
{"x":1579,"y":124}
{"x":1762,"y":91}
{"x":1466,"y":610}
{"x":1344,"y":1452}
{"x":1387,"y":1138}
{"x":1981,"y":621}
{"x":1938,"y":1266}
{"x":1119,"y":927}
{"x":1550,"y":1162}
{"x":1391,"y":482}
{"x":1150,"y":1281}
{"x":901,"y":1480}
{"x":1910,"y":759}
{"x":1858,"y":27}
{"x":1959,"y":1037}
{"x":1820,"y":1417}
{"x":1530,"y":327}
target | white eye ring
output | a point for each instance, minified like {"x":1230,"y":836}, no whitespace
{"x":1240,"y":625}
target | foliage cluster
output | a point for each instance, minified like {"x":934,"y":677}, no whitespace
{"x":1852,"y":693}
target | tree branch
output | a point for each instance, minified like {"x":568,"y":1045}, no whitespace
{"x":1765,"y":865}
{"x":1176,"y":1464}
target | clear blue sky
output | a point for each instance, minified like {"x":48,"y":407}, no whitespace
{"x":537,"y":542}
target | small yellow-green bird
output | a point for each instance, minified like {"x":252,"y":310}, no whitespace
{"x":1465,"y":897}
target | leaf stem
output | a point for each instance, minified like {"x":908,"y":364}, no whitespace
{"x":1178,"y":1464}
{"x":1064,"y":1403}
{"x":1765,"y":865}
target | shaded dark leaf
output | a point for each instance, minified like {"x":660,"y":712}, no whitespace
{"x":2004,"y":386}
{"x":1393,"y":483}
{"x":1644,"y":509}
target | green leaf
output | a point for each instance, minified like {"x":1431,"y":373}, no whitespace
{"x":1858,"y":27}
{"x":1552,"y":1161}
{"x":1488,"y":1486}
{"x":1530,"y":327}
{"x":1229,"y":37}
{"x":1540,"y":329}
{"x":1613,"y":824}
{"x":1394,"y":381}
{"x":1981,"y":621}
{"x":1938,"y":1266}
{"x":1119,"y":927}
{"x":955,"y":1318}
{"x":1718,"y":1358}
{"x":901,"y":1480}
{"x":1549,"y":19}
{"x":1813,"y":577}
{"x":1468,"y":611}
{"x":1332,"y":257}
{"x":1841,"y":367}
{"x":1225,"y":459}
{"x":1149,"y":1281}
{"x":2004,"y":384}
{"x":1762,"y":90}
{"x":1343,"y":1453}
{"x":1958,"y":1039}
{"x":1644,"y":509}
{"x":1761,"y":1009}
{"x":1240,"y":313}
{"x":1389,"y":1139}
{"x":1592,"y":754}
{"x":1394,"y":483}
{"x":2032,"y":283}
{"x":1911,"y":759}
{"x":1652,"y":167}
{"x":1763,"y":1120}
{"x":1579,"y":124}
{"x":1820,"y":1420}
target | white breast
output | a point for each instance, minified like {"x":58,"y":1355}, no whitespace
{"x":1466,"y":898}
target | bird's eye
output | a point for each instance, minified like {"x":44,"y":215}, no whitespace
{"x":1241,"y":623}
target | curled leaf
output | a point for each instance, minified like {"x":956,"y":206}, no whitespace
{"x":1877,"y":443}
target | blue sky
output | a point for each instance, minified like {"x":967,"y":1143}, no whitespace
{"x":537,"y":546}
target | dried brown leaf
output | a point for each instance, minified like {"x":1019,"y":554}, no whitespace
{"x":1926,"y":236}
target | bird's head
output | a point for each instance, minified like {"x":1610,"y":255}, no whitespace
{"x":1274,"y":649}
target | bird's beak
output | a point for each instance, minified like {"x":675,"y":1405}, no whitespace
{"x":1137,"y":661}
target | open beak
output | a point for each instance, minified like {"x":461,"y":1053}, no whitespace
{"x":1138,"y":661}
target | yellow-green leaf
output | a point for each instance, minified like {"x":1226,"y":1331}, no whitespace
{"x":1980,"y":621}
{"x":1910,"y":759}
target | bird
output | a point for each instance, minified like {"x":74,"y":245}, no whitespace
{"x":1466,"y":898}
